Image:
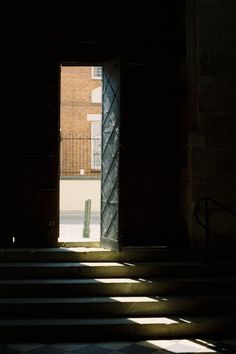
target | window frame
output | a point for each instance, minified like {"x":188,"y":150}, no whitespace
{"x":94,"y":74}
{"x":94,"y":165}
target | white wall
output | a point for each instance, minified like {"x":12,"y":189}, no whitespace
{"x":73,"y":194}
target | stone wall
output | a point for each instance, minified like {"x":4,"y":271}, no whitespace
{"x":212,"y":113}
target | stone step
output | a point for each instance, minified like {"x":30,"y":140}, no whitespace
{"x":87,"y":307}
{"x":111,"y":269}
{"x":114,"y":286}
{"x":91,"y":254}
{"x":20,"y":330}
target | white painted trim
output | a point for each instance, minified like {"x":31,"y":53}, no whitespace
{"x":94,"y":76}
{"x":95,"y":134}
{"x":94,"y":117}
{"x":96,"y":95}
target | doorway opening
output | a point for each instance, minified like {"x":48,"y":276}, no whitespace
{"x":80,"y":154}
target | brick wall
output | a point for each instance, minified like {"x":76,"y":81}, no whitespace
{"x":77,"y":85}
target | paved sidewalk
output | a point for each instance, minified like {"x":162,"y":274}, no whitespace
{"x":72,"y":225}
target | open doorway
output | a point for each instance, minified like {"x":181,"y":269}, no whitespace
{"x":91,"y":213}
{"x":80,"y":153}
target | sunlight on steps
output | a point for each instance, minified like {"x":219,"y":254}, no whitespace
{"x":116,"y":280}
{"x":152,"y":320}
{"x":181,"y":346}
{"x":134,"y":299}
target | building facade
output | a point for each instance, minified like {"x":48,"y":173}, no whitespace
{"x":80,"y":120}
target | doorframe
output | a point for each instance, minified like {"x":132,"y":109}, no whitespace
{"x":88,"y":63}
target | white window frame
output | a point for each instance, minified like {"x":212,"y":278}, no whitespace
{"x":95,"y":76}
{"x":95,"y":134}
{"x":94,"y":117}
{"x":96,"y":95}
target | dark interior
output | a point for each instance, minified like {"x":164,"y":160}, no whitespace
{"x":177,"y":117}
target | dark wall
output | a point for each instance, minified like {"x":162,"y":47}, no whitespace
{"x":212,"y":106}
{"x":151,"y":160}
{"x":151,"y":55}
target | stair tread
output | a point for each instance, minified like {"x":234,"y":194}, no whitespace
{"x":111,"y":299}
{"x":114,"y":263}
{"x":158,"y":320}
{"x":54,"y":250}
{"x":102,"y":264}
{"x":91,"y":254}
{"x":82,"y":249}
{"x":68,"y":281}
{"x":113,"y":280}
{"x":127,"y":249}
{"x":102,"y":299}
{"x":61,"y":264}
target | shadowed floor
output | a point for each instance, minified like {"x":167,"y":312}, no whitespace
{"x":190,"y":346}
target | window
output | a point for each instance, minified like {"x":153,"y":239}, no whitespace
{"x":97,"y":72}
{"x":94,"y":117}
{"x":96,"y":95}
{"x":96,"y":145}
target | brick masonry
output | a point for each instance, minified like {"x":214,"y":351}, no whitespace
{"x":77,"y":85}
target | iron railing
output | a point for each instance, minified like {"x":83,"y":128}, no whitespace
{"x":206,"y":224}
{"x":80,"y":155}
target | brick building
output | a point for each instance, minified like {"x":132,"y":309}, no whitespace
{"x":80,"y":120}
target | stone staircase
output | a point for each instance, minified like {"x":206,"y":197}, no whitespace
{"x":95,"y":294}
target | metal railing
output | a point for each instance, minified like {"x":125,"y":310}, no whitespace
{"x":80,"y":155}
{"x":206,"y":224}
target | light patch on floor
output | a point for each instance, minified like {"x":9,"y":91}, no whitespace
{"x":181,"y":346}
{"x":134,"y":299}
{"x":116,"y":280}
{"x":152,"y":320}
{"x":171,"y":346}
{"x":102,"y":264}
